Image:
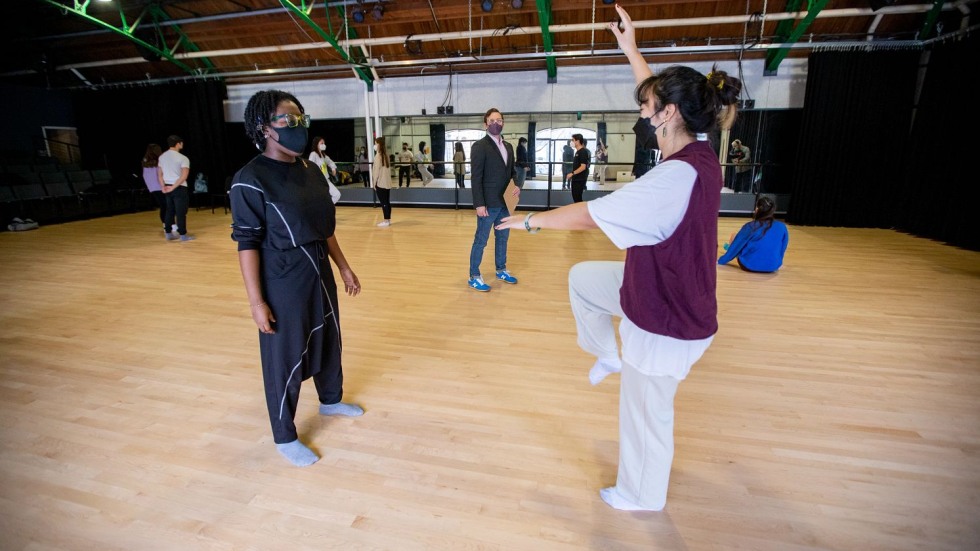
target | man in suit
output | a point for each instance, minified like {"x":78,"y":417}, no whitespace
{"x":492,"y":168}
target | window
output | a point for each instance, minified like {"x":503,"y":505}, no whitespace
{"x":467,"y":137}
{"x":549,"y":143}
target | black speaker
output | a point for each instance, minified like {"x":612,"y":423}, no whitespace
{"x":148,"y":36}
{"x":441,"y":110}
{"x":449,"y":109}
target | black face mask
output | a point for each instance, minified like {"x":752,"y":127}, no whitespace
{"x":646,"y":134}
{"x":293,"y":139}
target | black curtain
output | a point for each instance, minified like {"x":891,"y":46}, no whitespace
{"x":938,"y":190}
{"x":854,"y":130}
{"x":115,"y":126}
{"x":771,"y":136}
{"x":437,"y":143}
{"x":532,"y":127}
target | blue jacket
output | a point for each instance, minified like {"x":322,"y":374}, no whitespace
{"x":758,"y":249}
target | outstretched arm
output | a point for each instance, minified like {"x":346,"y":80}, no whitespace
{"x":570,"y":217}
{"x":627,"y":42}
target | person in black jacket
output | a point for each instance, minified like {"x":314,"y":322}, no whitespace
{"x":492,"y":168}
{"x":567,"y":156}
{"x":522,"y":165}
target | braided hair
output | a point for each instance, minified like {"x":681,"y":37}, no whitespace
{"x":705,"y":103}
{"x":258,"y":113}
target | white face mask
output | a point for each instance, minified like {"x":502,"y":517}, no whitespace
{"x":323,"y":147}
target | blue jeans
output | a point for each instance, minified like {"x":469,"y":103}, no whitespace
{"x":483,"y":226}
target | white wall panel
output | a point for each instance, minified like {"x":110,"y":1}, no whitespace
{"x":588,"y":89}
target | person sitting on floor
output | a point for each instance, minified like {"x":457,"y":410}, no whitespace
{"x":759,"y":245}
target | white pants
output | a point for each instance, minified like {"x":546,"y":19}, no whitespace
{"x":646,"y":398}
{"x":426,"y":175}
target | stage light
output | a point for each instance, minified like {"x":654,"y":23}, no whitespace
{"x":487,"y":5}
{"x":608,"y":1}
{"x":517,"y":4}
{"x":378,"y":12}
{"x":357,"y":14}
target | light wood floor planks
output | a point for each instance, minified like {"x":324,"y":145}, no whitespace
{"x":838,"y":408}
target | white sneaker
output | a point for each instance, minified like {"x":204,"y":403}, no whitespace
{"x":384,"y":223}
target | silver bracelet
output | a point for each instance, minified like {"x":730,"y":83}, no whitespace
{"x":527,"y":224}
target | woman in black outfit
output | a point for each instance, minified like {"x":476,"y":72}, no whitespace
{"x":283,"y":220}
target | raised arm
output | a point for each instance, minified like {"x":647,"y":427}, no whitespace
{"x":627,"y":42}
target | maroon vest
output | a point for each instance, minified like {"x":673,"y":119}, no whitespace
{"x":669,"y":288}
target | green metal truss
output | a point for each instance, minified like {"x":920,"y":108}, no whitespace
{"x":80,"y":8}
{"x":544,"y":17}
{"x":788,"y":34}
{"x":303,"y":12}
{"x":931,"y":17}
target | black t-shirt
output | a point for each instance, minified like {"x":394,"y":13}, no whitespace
{"x":582,"y":158}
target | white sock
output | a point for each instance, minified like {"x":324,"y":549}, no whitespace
{"x":604,"y":367}
{"x":297,"y":453}
{"x":340,"y":408}
{"x":614,"y":499}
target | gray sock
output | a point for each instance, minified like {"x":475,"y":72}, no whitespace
{"x":340,"y":408}
{"x":297,"y":453}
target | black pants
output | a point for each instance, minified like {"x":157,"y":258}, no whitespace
{"x":743,"y":182}
{"x":406,"y":172}
{"x":161,"y":202}
{"x":578,"y":187}
{"x":177,"y":202}
{"x":302,"y":293}
{"x":459,"y":180}
{"x":384,"y":197}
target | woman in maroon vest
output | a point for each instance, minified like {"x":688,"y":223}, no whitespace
{"x":664,"y":293}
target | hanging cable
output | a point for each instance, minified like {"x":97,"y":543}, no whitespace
{"x":592,"y":40}
{"x":436,"y":21}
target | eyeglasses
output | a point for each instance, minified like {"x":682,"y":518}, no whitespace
{"x":293,"y":120}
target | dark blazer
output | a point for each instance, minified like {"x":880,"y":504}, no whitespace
{"x":489,"y":174}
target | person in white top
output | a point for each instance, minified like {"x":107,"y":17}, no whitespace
{"x":329,"y":169}
{"x":382,"y":179}
{"x":665,"y":291}
{"x":172,"y":170}
{"x":423,"y":164}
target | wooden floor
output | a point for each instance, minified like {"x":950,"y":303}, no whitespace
{"x":838,"y":408}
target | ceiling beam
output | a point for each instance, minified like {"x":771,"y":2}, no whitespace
{"x":931,"y":17}
{"x":462,"y":35}
{"x":775,"y":57}
{"x":544,"y":17}
{"x":332,"y":40}
{"x":81,"y":10}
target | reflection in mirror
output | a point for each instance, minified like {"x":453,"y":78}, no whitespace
{"x":769,"y":138}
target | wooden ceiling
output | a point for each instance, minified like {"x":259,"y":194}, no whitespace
{"x":52,"y":44}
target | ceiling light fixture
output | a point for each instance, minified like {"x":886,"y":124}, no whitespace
{"x":608,"y":1}
{"x":378,"y":12}
{"x":487,"y":5}
{"x":517,"y":4}
{"x":357,"y":14}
